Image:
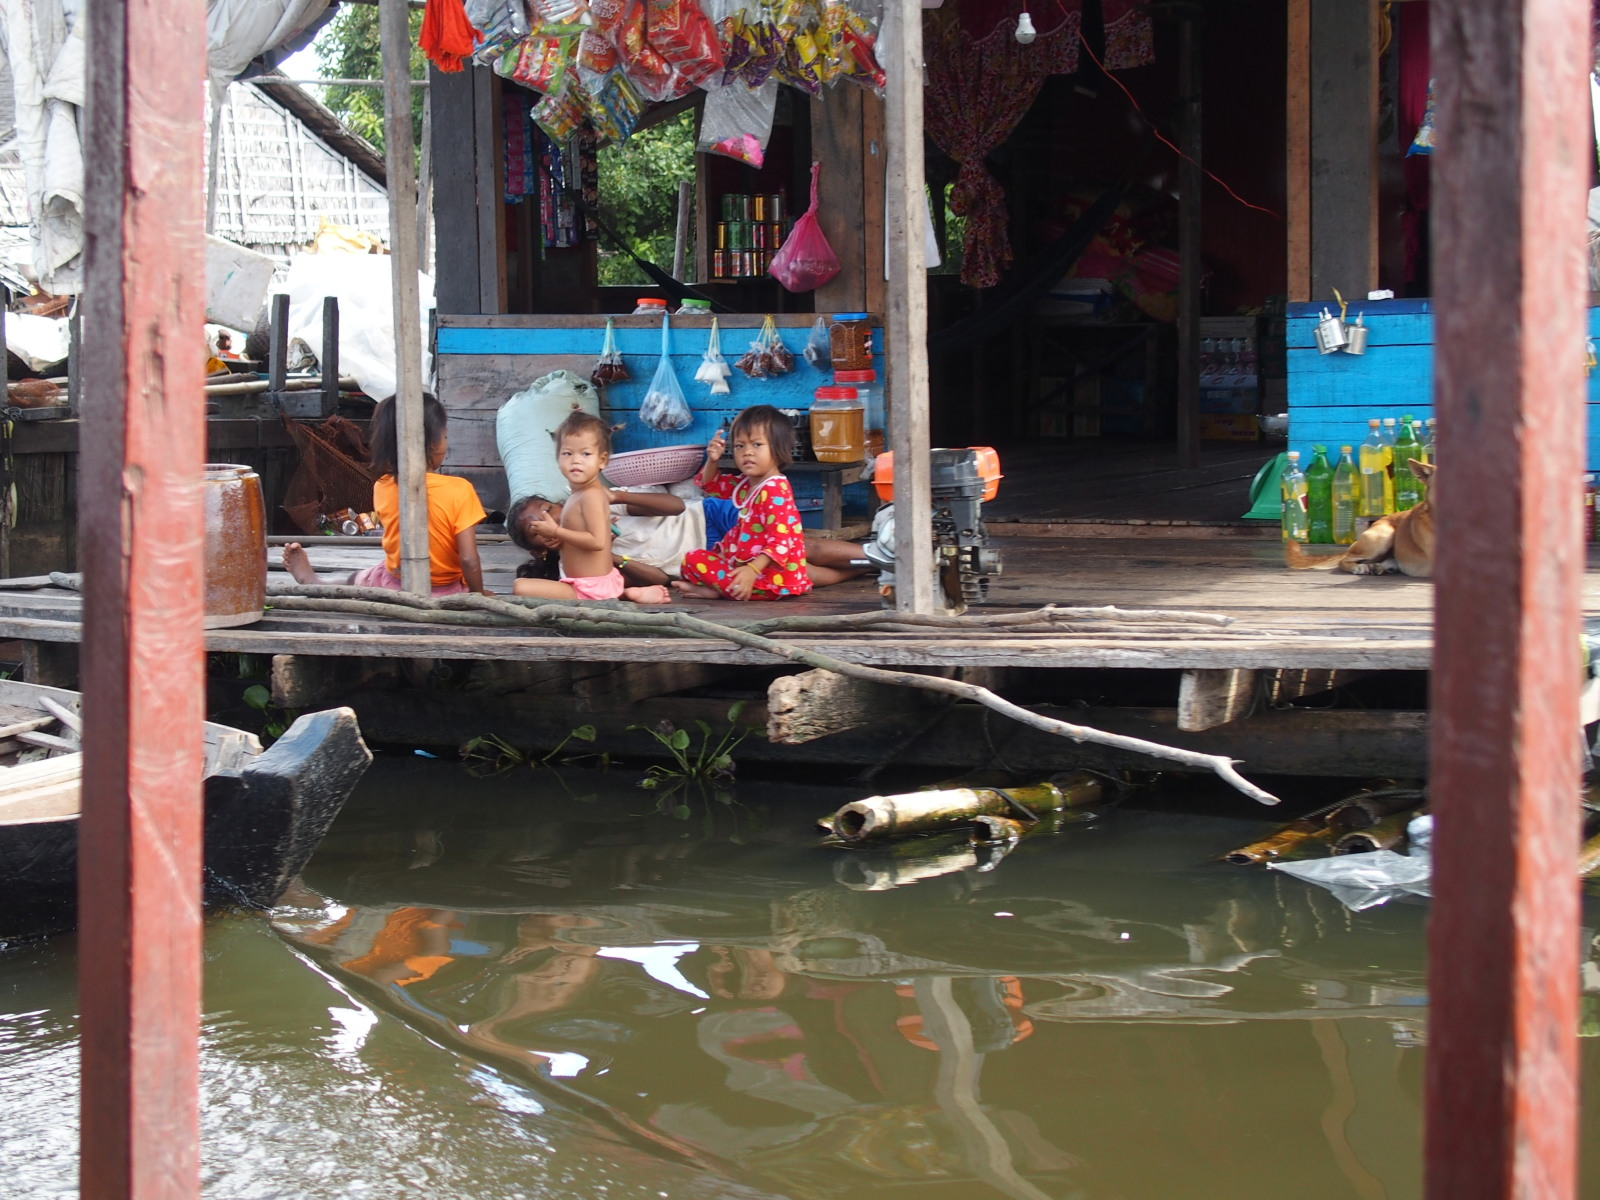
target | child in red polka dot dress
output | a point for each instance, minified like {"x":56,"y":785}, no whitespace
{"x":763,"y":556}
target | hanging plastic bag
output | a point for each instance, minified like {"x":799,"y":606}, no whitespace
{"x":664,"y":406}
{"x":806,"y":261}
{"x":818,"y":351}
{"x":714,"y":369}
{"x":609,"y":367}
{"x":738,"y":121}
{"x":682,"y":35}
{"x":779,"y":355}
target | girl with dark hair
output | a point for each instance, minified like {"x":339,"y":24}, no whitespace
{"x":763,"y":556}
{"x":453,"y":512}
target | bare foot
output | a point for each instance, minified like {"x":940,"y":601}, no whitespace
{"x":695,"y":591}
{"x":298,"y":565}
{"x":654,"y":594}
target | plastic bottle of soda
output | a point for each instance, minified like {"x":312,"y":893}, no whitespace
{"x":1390,"y":436}
{"x":1292,"y":488}
{"x":1319,"y":497}
{"x":1429,"y":432}
{"x":1407,"y":487}
{"x":1346,"y":497}
{"x":1374,"y":472}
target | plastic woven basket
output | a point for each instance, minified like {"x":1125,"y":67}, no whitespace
{"x":658,"y":465}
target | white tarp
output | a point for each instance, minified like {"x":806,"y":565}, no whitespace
{"x":239,"y":30}
{"x":366,"y":313}
{"x":44,"y":43}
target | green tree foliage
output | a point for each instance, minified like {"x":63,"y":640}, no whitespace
{"x":639,"y":196}
{"x":348,"y":48}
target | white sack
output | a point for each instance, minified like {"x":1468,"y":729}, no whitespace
{"x":37,"y":341}
{"x":366,"y":314}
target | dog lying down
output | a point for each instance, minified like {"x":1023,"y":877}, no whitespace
{"x":1400,"y":542}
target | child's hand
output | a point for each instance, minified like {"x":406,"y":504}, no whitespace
{"x":715,"y":447}
{"x":742,"y":583}
{"x":546,"y":531}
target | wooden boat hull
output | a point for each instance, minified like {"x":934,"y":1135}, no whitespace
{"x":263,"y":820}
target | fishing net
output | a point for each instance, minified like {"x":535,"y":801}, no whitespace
{"x":332,"y":474}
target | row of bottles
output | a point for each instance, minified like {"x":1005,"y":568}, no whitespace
{"x":1325,"y":502}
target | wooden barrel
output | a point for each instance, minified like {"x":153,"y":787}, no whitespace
{"x":236,"y":546}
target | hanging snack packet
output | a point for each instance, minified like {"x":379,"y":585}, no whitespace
{"x":543,"y":65}
{"x":559,"y":116}
{"x":714,"y":368}
{"x":767,"y":47}
{"x":609,"y":368}
{"x":818,"y":351}
{"x":596,"y":56}
{"x":681,"y":34}
{"x":664,"y":406}
{"x":560,"y":18}
{"x":651,"y":73}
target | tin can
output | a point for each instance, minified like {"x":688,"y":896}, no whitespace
{"x":775,"y":235}
{"x":758,"y":208}
{"x":774,"y":208}
{"x":722,"y":236}
{"x":730,"y":206}
{"x":761,"y":236}
{"x":747,"y":208}
{"x":719,"y":264}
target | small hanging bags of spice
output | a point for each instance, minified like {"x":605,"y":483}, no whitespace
{"x":609,"y":368}
{"x":767,"y":354}
{"x":713,"y":367}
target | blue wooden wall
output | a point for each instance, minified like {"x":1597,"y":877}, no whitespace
{"x":483,"y":361}
{"x":1331,"y":396}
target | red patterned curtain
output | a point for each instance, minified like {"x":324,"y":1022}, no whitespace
{"x":1130,"y":36}
{"x":979,"y":86}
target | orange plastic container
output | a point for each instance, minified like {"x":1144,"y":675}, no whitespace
{"x":988,"y":470}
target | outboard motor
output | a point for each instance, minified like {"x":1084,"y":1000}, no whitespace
{"x":961,"y":481}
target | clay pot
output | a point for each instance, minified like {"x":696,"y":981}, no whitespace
{"x":236,"y":546}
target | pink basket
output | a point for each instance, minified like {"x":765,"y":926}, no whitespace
{"x":659,"y":465}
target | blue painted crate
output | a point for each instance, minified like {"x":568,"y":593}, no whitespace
{"x":1331,"y":396}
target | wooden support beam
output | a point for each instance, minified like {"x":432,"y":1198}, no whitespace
{"x":1189,"y":234}
{"x":1297,"y":188}
{"x":599,"y":685}
{"x":1343,"y":153}
{"x":814,"y":704}
{"x":141,"y":539}
{"x":1509,"y":190}
{"x":907,"y":324}
{"x":1209,"y":698}
{"x":305,"y":681}
{"x":401,"y":168}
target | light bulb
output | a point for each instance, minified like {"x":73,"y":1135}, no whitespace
{"x":1025,"y":30}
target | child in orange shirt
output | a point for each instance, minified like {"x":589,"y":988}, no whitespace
{"x":583,"y":533}
{"x":453,"y":511}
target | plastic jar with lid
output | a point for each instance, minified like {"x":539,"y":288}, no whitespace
{"x":850,"y":341}
{"x":649,"y":306}
{"x":694,"y":308}
{"x":838,"y":426}
{"x":870,"y":392}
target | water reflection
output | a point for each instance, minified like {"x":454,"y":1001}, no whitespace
{"x":1106,"y":1014}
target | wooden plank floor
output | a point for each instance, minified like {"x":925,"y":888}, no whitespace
{"x":1280,"y":618}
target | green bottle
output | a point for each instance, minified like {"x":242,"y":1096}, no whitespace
{"x":1292,"y":488}
{"x":1346,"y":497}
{"x":1319,"y":497}
{"x":1407,"y":488}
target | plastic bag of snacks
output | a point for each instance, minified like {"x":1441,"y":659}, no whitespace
{"x":738,"y":121}
{"x":664,"y":406}
{"x":560,"y":18}
{"x":503,"y":24}
{"x":819,"y":351}
{"x":609,"y":368}
{"x":805,"y":261}
{"x":560,"y":116}
{"x":681,"y":34}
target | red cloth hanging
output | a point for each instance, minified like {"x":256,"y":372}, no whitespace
{"x":447,"y":36}
{"x":1130,"y":35}
{"x":1411,"y":102}
{"x":977,"y":91}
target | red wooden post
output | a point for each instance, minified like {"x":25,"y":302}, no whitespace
{"x":141,"y":531}
{"x":1510,"y":178}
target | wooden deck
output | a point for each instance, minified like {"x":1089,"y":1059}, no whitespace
{"x":1279,"y":618}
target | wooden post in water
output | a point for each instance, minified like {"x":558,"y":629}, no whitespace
{"x":141,"y":537}
{"x":1510,"y":177}
{"x":907,"y":325}
{"x":399,"y":146}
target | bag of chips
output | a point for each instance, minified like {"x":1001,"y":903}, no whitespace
{"x":680,"y":33}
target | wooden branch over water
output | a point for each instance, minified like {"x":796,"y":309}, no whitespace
{"x":588,"y":617}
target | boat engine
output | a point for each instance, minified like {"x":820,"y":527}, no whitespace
{"x":961,"y":480}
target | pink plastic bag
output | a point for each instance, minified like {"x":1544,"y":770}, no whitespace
{"x":806,"y":261}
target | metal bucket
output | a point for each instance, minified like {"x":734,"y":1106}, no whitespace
{"x":1330,"y":333}
{"x":1355,"y":338}
{"x":236,"y":546}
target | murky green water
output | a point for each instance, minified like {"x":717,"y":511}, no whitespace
{"x":528,"y":987}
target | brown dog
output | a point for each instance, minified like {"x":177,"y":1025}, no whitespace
{"x":1399,"y":542}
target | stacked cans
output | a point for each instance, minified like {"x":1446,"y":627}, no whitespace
{"x":748,"y":235}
